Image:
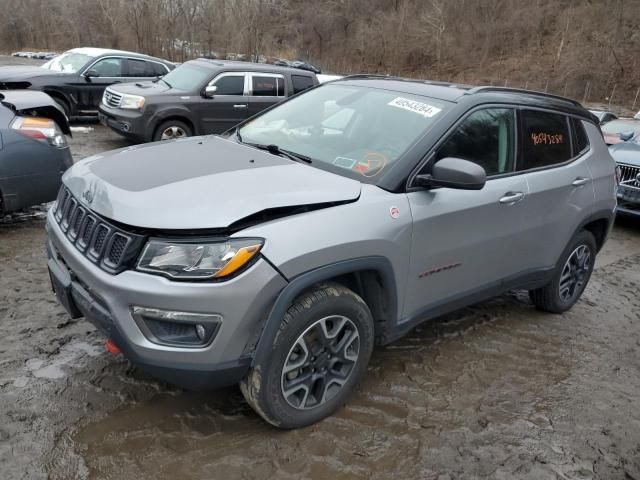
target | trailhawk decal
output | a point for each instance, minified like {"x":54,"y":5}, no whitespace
{"x":420,"y":108}
{"x":444,"y":268}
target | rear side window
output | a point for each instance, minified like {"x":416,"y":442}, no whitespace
{"x":486,"y":137}
{"x":230,"y":85}
{"x":265,"y":86}
{"x":140,"y":68}
{"x":301,"y":83}
{"x":546,"y":139}
{"x":581,"y":141}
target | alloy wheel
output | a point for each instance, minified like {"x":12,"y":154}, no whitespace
{"x":320,"y":362}
{"x":172,"y":133}
{"x":575,"y":273}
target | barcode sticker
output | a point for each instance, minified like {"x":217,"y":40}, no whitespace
{"x":420,"y":108}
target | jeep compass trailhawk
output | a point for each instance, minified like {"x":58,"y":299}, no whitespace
{"x":278,"y":255}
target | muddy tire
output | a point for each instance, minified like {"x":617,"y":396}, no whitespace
{"x":571,"y":276}
{"x":171,"y":130}
{"x":320,"y":353}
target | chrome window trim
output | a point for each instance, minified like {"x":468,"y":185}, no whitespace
{"x":232,"y":74}
{"x":278,"y":76}
{"x":123,"y":58}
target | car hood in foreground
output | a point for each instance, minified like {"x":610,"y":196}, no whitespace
{"x":200,"y":183}
{"x":626,"y":152}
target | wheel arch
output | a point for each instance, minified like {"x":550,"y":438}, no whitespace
{"x":370,"y":277}
{"x":58,"y":94}
{"x":166,"y":115}
{"x":599,"y":224}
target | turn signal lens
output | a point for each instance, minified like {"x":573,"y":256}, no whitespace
{"x":242,"y":257}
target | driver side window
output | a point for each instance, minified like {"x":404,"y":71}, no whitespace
{"x":486,"y":137}
{"x":108,"y":67}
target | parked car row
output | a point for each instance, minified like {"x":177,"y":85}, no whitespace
{"x":36,"y":55}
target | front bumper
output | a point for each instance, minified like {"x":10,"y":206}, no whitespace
{"x":628,"y":200}
{"x":106,"y":300}
{"x":132,"y":124}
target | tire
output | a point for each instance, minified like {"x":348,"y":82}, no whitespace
{"x":63,"y":104}
{"x":171,"y":130}
{"x":554,"y":299}
{"x":272,"y":392}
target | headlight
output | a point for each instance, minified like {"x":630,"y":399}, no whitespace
{"x":132,"y":101}
{"x":198,"y":260}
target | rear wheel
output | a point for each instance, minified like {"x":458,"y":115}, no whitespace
{"x":62,"y":103}
{"x":571,"y":276}
{"x":320,"y":353}
{"x":172,"y":130}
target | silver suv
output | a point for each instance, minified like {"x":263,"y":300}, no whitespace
{"x":278,"y":255}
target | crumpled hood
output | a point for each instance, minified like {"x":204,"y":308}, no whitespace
{"x":20,"y":73}
{"x":198,"y":183}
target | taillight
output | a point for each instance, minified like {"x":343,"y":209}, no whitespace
{"x":40,"y":128}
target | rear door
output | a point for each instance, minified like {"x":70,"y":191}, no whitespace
{"x":561,"y":191}
{"x":229,"y":105}
{"x":137,"y":70}
{"x":265,"y":89}
{"x":466,"y":243}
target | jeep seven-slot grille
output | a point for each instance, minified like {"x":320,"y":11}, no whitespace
{"x":110,"y":247}
{"x":629,"y":175}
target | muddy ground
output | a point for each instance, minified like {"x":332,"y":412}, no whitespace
{"x":496,"y":391}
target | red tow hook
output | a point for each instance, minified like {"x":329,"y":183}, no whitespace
{"x":112,"y":348}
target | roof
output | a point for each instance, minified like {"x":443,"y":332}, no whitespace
{"x":247,"y":66}
{"x":95,"y":52}
{"x":457,"y":92}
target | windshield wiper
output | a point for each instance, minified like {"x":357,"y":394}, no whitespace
{"x":168,"y":84}
{"x":276,"y":150}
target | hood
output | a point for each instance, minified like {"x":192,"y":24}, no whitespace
{"x":626,"y":152}
{"x":146,"y":88}
{"x":27,"y":101}
{"x":20,"y":73}
{"x":199,"y":183}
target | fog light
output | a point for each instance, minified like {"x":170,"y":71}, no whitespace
{"x":178,"y":329}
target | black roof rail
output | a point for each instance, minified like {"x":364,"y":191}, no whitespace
{"x":522,"y":90}
{"x":406,"y":79}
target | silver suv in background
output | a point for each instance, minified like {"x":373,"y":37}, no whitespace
{"x":278,"y":255}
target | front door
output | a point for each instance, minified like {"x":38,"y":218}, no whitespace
{"x":96,"y":78}
{"x":467,"y":243}
{"x":227,"y":107}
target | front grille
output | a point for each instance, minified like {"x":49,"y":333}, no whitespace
{"x":630,"y":175}
{"x":111,"y":98}
{"x":105,"y":244}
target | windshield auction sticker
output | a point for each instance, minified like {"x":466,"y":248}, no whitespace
{"x":420,"y":108}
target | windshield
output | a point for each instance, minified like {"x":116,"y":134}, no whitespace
{"x":68,"y":62}
{"x":355,"y":131}
{"x":186,"y":77}
{"x":621,"y":126}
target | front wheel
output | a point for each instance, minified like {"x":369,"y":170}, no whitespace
{"x":172,"y":130}
{"x":571,"y":276}
{"x":320,"y":353}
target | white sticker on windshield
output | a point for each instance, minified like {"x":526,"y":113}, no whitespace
{"x":420,"y":108}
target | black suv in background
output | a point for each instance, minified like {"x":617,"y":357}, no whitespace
{"x":77,"y":78}
{"x":197,"y":98}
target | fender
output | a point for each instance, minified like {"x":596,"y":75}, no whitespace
{"x":303,"y":281}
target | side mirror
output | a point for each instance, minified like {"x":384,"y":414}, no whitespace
{"x":454,"y":173}
{"x":625,"y":137}
{"x":91,"y":74}
{"x":210,"y":91}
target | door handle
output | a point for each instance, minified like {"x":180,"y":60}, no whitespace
{"x":512,"y":197}
{"x":580,"y":181}
{"x":240,"y":106}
